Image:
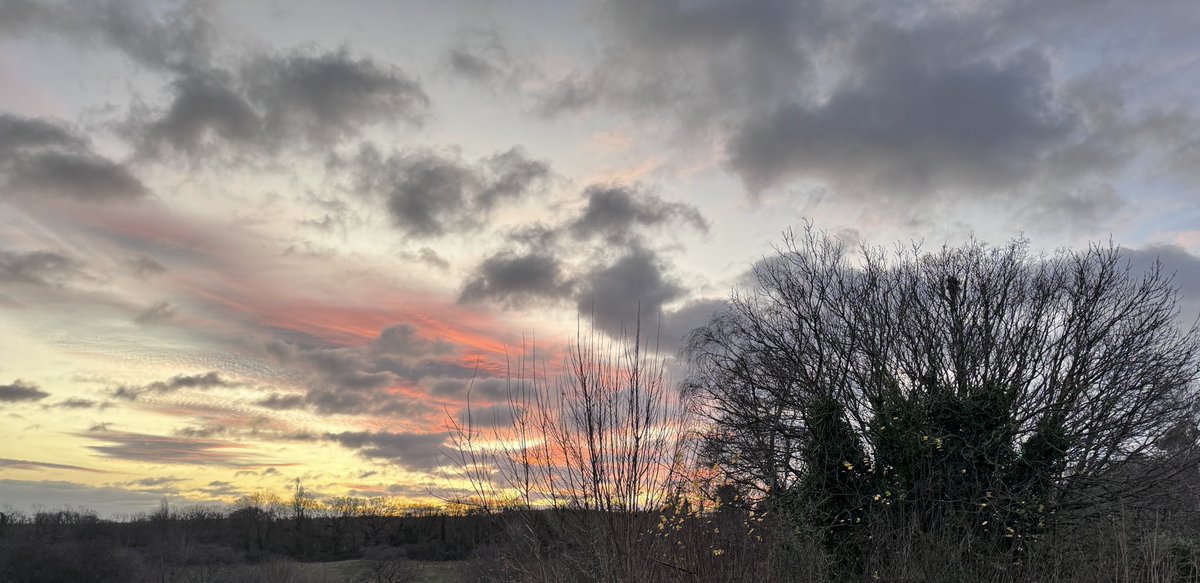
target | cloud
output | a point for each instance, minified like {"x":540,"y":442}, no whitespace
{"x":282,"y":402}
{"x":145,"y":266}
{"x":208,"y":380}
{"x":636,"y":283}
{"x":678,"y":323}
{"x":429,"y":194}
{"x":171,"y":39}
{"x":614,"y":212}
{"x":105,"y":500}
{"x":413,"y":451}
{"x":363,"y":379}
{"x":43,"y":158}
{"x":20,"y":391}
{"x":277,"y":100}
{"x":913,"y":107}
{"x":1178,"y":263}
{"x":34,"y":465}
{"x":483,"y":56}
{"x":76,"y":403}
{"x":517,"y":281}
{"x":158,"y":449}
{"x":156,"y":314}
{"x":42,"y":268}
{"x":327,"y":96}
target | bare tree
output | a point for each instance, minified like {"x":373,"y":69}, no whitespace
{"x":582,"y":459}
{"x":1062,"y":379}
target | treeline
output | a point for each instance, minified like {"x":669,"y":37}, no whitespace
{"x":203,"y":543}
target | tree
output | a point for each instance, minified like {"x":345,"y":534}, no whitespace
{"x":578,"y":464}
{"x":982,"y":382}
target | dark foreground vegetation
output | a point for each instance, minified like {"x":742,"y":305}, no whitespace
{"x":974,"y":413}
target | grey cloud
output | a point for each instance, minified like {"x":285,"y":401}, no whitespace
{"x":20,"y":391}
{"x":19,"y":133}
{"x":697,"y":58}
{"x":636,"y":283}
{"x":208,"y":380}
{"x":34,"y":465}
{"x":919,"y":118}
{"x":487,"y":388}
{"x":1181,"y":265}
{"x":171,"y":39}
{"x":276,"y":101}
{"x":156,"y":314}
{"x":327,"y":96}
{"x":413,"y":451}
{"x":491,"y":416}
{"x":206,"y":109}
{"x":83,"y":177}
{"x":402,"y":340}
{"x":517,"y":280}
{"x":613,"y":212}
{"x":355,"y":379}
{"x":512,"y":175}
{"x":38,"y":268}
{"x":107,"y":500}
{"x":282,"y":402}
{"x":484,"y":56}
{"x":428,"y":194}
{"x":145,"y":266}
{"x":158,"y":449}
{"x":901,"y":102}
{"x":678,"y":323}
{"x":43,"y":158}
{"x":76,"y":403}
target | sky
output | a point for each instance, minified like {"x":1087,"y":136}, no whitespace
{"x":244,"y":243}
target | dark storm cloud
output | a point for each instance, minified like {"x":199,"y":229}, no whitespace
{"x":429,"y":194}
{"x":517,"y":281}
{"x":614,"y":295}
{"x":20,"y":391}
{"x":413,"y":451}
{"x":38,"y":268}
{"x":43,"y":158}
{"x":158,"y":449}
{"x":614,"y":212}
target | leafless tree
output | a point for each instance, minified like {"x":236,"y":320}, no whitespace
{"x":1081,"y":365}
{"x":585,"y":456}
